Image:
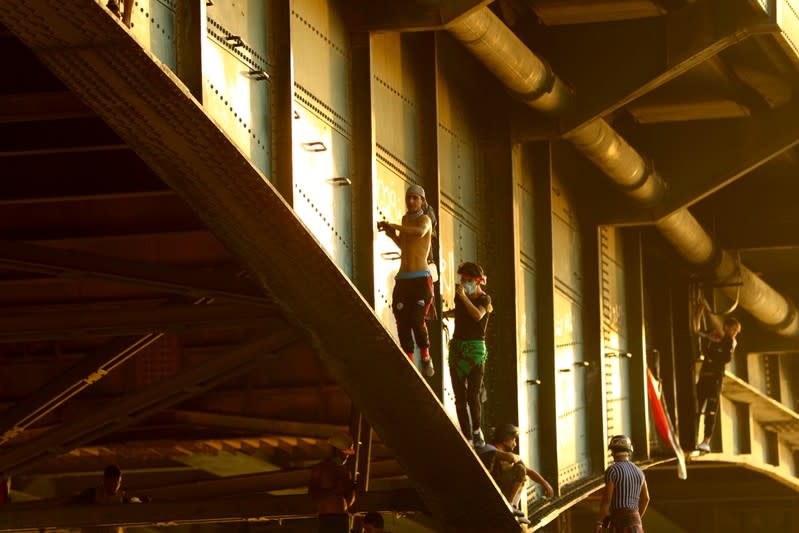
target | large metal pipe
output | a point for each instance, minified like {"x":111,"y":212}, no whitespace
{"x":532,"y":81}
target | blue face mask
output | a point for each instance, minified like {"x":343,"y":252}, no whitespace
{"x":470,"y":287}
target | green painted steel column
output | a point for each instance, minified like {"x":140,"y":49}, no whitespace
{"x":281,"y":97}
{"x":363,"y":222}
{"x":190,"y":26}
{"x":595,"y":385}
{"x":427,"y":61}
{"x":497,"y":244}
{"x":363,"y":156}
{"x":639,"y":398}
{"x":545,"y":319}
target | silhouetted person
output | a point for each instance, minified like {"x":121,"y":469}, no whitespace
{"x":108,"y":494}
{"x":372,"y":523}
{"x":332,"y":488}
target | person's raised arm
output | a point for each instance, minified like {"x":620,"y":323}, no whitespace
{"x":390,"y":232}
{"x":423,"y":228}
{"x":477,"y":312}
{"x":715,"y":320}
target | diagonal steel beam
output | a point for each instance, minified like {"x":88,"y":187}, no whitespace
{"x":156,"y":116}
{"x":85,"y":373}
{"x":141,"y":404}
{"x":161,"y":277}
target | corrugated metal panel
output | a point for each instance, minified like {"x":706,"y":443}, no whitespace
{"x":321,"y":126}
{"x":322,"y":188}
{"x":320,"y":45}
{"x":153,"y":24}
{"x":574,"y":462}
{"x":235,"y":90}
{"x":395,"y":92}
{"x":614,"y":332}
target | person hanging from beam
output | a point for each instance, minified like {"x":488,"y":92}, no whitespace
{"x":626,"y":495}
{"x":720,"y":343}
{"x":332,"y":488}
{"x":467,"y":349}
{"x":413,"y":288}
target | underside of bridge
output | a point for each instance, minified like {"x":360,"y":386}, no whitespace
{"x":192,"y":286}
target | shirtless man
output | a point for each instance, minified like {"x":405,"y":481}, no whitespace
{"x":413,"y":290}
{"x":331,"y":487}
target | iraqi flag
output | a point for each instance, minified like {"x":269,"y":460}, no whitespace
{"x":663,"y":423}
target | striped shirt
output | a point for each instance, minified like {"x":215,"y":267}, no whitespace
{"x":627,"y":481}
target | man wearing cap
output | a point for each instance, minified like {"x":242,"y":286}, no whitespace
{"x":413,"y":290}
{"x":331,"y":487}
{"x":507,"y":468}
{"x":626,"y":494}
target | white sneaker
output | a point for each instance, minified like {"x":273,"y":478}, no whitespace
{"x":478,"y":441}
{"x":703,"y":447}
{"x":428,"y":370}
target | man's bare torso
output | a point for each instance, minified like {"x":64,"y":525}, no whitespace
{"x":414,"y":249}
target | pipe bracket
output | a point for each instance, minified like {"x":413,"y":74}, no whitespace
{"x":546,"y":86}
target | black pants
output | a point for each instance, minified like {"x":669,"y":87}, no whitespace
{"x":411,"y":301}
{"x":708,"y":391}
{"x":467,"y":393}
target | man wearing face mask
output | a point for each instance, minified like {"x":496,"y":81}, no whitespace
{"x":467,"y":349}
{"x":331,"y":487}
{"x":413,"y":289}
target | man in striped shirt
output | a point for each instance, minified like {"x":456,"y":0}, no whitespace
{"x":626,"y":495}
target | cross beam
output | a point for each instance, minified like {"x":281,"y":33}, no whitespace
{"x":161,"y":277}
{"x":253,"y":507}
{"x":76,"y":323}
